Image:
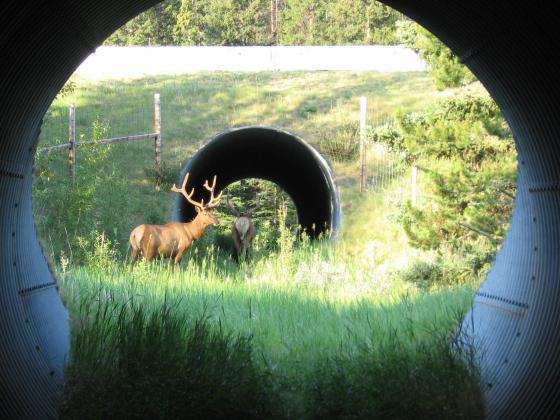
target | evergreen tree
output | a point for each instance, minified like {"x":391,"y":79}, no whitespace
{"x":237,"y":22}
{"x":466,"y":149}
{"x":153,"y":27}
{"x":444,"y":66}
{"x":340,"y":22}
{"x":190,"y":26}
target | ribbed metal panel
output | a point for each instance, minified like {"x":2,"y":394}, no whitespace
{"x":41,"y":43}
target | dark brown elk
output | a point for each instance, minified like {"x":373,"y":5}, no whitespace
{"x":243,"y":230}
{"x":171,"y":240}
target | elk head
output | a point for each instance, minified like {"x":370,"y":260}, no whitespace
{"x":204,"y":214}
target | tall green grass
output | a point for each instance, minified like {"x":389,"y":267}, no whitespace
{"x":128,"y":362}
{"x":308,"y":332}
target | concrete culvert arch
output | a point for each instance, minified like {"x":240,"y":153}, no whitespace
{"x":510,"y":47}
{"x":274,"y":155}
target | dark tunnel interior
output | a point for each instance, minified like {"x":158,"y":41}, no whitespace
{"x":273,"y":155}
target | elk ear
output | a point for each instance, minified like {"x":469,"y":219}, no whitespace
{"x":197,"y":209}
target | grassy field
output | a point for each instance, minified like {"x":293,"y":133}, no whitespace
{"x":309,"y":315}
{"x":323,"y":329}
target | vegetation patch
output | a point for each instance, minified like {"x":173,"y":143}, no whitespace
{"x":362,"y":327}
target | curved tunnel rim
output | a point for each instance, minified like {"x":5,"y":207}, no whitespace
{"x":322,"y":163}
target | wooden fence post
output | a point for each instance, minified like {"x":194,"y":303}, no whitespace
{"x":413,"y":186}
{"x":157,"y":128}
{"x":72,"y":141}
{"x":363,"y":117}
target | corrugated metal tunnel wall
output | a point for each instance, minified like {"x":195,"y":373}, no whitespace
{"x":274,"y":155}
{"x":516,"y":315}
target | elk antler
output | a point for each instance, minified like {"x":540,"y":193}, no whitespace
{"x":214,"y":201}
{"x":236,"y":212}
{"x":188,"y":196}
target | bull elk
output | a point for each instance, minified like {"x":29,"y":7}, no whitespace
{"x":172,"y":239}
{"x":242,"y":230}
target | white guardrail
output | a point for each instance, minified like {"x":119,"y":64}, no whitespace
{"x":118,"y":62}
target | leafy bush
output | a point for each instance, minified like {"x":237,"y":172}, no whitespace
{"x":447,"y":270}
{"x":424,"y":274}
{"x":70,"y":214}
{"x":465,"y":150}
{"x":444,"y":66}
{"x":387,"y":134}
{"x":102,"y":254}
{"x":341,"y":145}
{"x":306,"y":110}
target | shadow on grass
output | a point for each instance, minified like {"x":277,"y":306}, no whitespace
{"x":128,"y":362}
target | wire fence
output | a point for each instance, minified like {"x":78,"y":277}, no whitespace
{"x":194,"y":110}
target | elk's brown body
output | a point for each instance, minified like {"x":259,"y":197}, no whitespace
{"x":243,"y":230}
{"x":171,"y":240}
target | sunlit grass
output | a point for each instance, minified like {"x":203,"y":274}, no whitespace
{"x":306,"y":310}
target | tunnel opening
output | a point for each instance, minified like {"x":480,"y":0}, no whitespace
{"x":274,"y":155}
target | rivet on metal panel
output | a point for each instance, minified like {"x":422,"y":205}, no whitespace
{"x":37,"y":287}
{"x":10,"y":174}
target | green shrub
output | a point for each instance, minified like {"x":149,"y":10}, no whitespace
{"x":162,"y":176}
{"x":70,"y":214}
{"x":424,"y":274}
{"x":444,"y":66}
{"x":449,"y":270}
{"x":102,"y":254}
{"x":340,"y":145}
{"x":306,"y":110}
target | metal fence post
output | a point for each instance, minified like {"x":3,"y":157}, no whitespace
{"x":72,"y":141}
{"x":157,"y":128}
